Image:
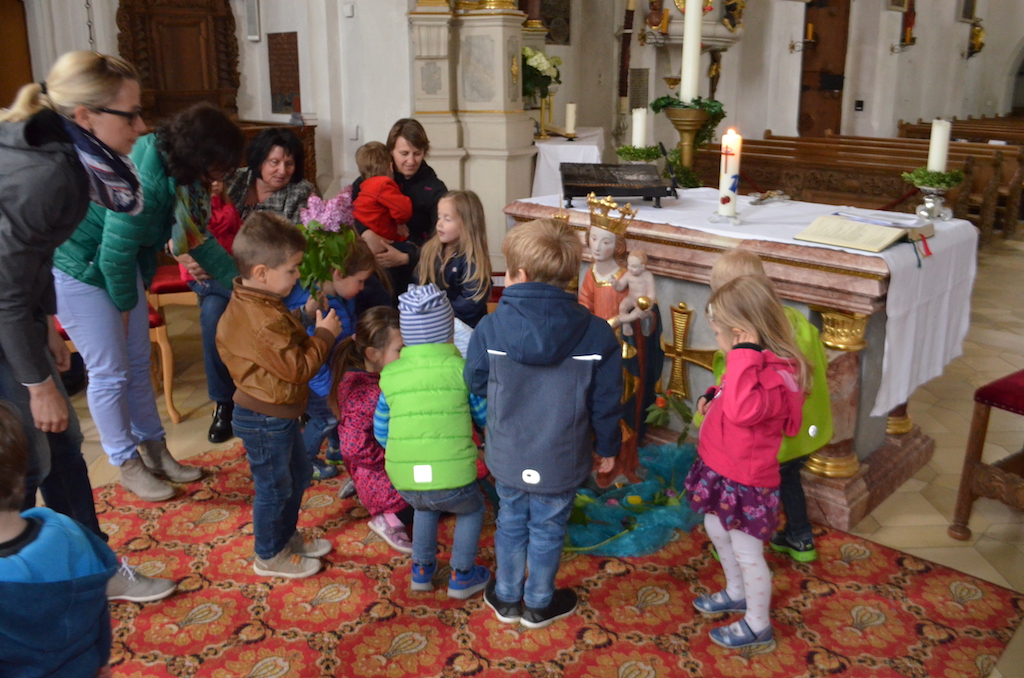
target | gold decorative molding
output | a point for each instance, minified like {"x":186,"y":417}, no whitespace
{"x":842,"y":331}
{"x":497,"y":4}
{"x":899,"y":425}
{"x":534,"y":25}
{"x":433,"y":3}
{"x":845,"y":466}
{"x":679,"y":382}
{"x":514,"y":69}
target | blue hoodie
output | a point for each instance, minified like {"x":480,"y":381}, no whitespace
{"x":54,"y":618}
{"x":552,"y":375}
{"x":320,"y":384}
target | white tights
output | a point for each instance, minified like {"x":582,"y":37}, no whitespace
{"x":746,"y":572}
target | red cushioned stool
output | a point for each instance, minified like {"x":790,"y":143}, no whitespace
{"x":1002,"y":480}
{"x":168,"y":288}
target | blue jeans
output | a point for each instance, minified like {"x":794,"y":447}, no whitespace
{"x":467,"y":503}
{"x":280,"y":473}
{"x":213,"y":299}
{"x":530,"y":530}
{"x":794,"y":503}
{"x":322,"y":423}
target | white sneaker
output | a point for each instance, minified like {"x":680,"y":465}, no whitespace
{"x":311,"y":548}
{"x":128,"y":584}
{"x":286,"y":564}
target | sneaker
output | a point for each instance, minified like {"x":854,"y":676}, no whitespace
{"x":423,"y":577}
{"x":286,"y":564}
{"x":311,"y":548}
{"x":334,"y":456}
{"x":322,"y":471}
{"x":391,"y":530}
{"x":802,"y":551}
{"x":462,"y":585}
{"x":348,"y":488}
{"x":719,"y":602}
{"x":738,"y":635}
{"x":562,"y":604}
{"x":128,"y":584}
{"x":507,"y":613}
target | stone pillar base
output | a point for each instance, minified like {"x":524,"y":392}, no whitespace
{"x":896,"y":462}
{"x":840,"y":503}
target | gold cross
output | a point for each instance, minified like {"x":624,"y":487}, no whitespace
{"x":679,"y":383}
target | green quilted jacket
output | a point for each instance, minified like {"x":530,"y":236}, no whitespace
{"x":107,"y":247}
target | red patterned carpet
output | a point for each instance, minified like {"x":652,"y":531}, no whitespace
{"x":861,"y":610}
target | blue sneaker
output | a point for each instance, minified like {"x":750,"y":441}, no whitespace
{"x":322,"y":471}
{"x":738,"y":636}
{"x":423,"y":577}
{"x":719,"y":602}
{"x":462,"y":585}
{"x":334,"y":456}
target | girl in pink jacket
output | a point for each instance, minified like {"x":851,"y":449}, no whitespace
{"x":735,"y":481}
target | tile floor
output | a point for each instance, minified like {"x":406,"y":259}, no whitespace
{"x":914,"y":519}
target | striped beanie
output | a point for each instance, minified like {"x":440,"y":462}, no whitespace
{"x":425,"y":315}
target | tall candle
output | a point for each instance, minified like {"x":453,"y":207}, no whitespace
{"x":691,"y":50}
{"x":570,"y":118}
{"x":729,"y":181}
{"x":938,"y":147}
{"x":810,"y":31}
{"x":639,"y":127}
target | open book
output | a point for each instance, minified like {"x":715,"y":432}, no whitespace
{"x":867,"y":233}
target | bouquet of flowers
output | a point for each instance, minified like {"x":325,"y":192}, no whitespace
{"x":539,"y":72}
{"x":327,"y":226}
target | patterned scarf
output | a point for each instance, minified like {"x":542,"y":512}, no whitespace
{"x":113,"y":180}
{"x":191,"y":215}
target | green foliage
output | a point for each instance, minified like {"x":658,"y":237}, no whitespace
{"x":539,"y":72}
{"x":714,"y":108}
{"x":658,"y":414}
{"x":326,"y":251}
{"x":643,"y":153}
{"x":686,"y":176}
{"x":922,"y":176}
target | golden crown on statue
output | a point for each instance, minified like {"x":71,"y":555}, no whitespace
{"x":600,"y":217}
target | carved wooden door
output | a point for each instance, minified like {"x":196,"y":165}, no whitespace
{"x":824,"y":62}
{"x":17,"y":68}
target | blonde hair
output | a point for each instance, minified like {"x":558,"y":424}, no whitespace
{"x":733,"y":264}
{"x":472,"y":244}
{"x":750,"y":304}
{"x":373,"y":160}
{"x":547,"y":250}
{"x":81,"y":78}
{"x":373,"y":329}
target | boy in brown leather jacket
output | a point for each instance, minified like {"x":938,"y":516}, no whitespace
{"x":271,"y":360}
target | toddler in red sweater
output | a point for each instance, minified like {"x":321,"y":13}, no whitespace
{"x":380,"y":206}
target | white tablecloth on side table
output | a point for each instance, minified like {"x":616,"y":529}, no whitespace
{"x":588,"y":147}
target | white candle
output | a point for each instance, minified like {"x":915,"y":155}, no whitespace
{"x":570,"y":118}
{"x":639,"y":127}
{"x":729,"y":181}
{"x":691,"y":50}
{"x":938,"y":147}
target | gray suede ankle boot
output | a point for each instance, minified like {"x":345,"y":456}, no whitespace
{"x":138,"y":479}
{"x":158,"y":459}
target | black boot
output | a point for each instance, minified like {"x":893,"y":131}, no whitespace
{"x":220,"y":429}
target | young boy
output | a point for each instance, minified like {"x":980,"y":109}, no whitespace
{"x":796,"y":539}
{"x":271,"y":360}
{"x":54,"y":618}
{"x":552,"y":374}
{"x":424,"y":421}
{"x":380,"y":205}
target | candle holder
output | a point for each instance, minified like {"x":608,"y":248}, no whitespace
{"x":672,"y":82}
{"x":717,"y":218}
{"x":933,"y":207}
{"x":687,"y":122}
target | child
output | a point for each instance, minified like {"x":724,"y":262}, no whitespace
{"x":552,"y":374}
{"x":640,"y":284}
{"x":735,"y":481}
{"x":457,"y":260}
{"x":355,"y":391}
{"x":796,"y":538}
{"x":271,"y":360}
{"x":54,"y":618}
{"x":424,"y":421}
{"x":380,"y":206}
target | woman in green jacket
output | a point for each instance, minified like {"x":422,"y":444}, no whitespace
{"x":101,"y":272}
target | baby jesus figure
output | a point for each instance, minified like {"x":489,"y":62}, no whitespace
{"x":642,"y":295}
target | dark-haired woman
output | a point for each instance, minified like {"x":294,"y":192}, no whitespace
{"x":101,"y":273}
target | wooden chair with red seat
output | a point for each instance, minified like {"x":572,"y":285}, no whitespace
{"x":168,"y":288}
{"x":1002,"y":480}
{"x":158,"y":336}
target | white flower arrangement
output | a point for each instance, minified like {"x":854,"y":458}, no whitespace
{"x":539,"y":72}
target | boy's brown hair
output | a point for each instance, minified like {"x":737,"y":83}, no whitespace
{"x":266,"y":238}
{"x":13,"y":460}
{"x":733,"y":264}
{"x":547,"y":250}
{"x":373,"y":160}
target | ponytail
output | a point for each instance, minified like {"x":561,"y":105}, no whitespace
{"x":372,"y":331}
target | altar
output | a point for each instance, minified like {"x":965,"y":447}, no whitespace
{"x":890,"y":322}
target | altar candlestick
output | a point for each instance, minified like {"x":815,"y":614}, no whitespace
{"x":639,"y":127}
{"x":729,"y":182}
{"x":810,"y":31}
{"x":938,"y":147}
{"x":570,"y":118}
{"x":691,"y":50}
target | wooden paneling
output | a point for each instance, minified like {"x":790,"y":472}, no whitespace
{"x":17,"y":62}
{"x":824,"y":62}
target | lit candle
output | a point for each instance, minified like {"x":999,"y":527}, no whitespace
{"x":907,"y":36}
{"x":729,"y":181}
{"x":691,"y":50}
{"x":938,"y":147}
{"x":810,"y":31}
{"x":639,"y":127}
{"x":570,"y":118}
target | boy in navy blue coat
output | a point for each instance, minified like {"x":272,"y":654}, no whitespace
{"x":552,"y":375}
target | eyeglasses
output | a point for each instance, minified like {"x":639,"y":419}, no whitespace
{"x":130,"y":116}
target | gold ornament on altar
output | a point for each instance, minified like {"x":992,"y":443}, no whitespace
{"x":600,"y":216}
{"x":678,"y":383}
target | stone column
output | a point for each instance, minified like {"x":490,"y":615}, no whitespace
{"x":434,"y":99}
{"x":534,"y":32}
{"x":497,"y":134}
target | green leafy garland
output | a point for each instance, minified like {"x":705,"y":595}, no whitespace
{"x":326,"y":251}
{"x":635,"y":154}
{"x":687,"y":177}
{"x":714,"y":108}
{"x":922,"y":176}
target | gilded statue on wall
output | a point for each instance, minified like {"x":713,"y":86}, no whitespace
{"x":733,"y":16}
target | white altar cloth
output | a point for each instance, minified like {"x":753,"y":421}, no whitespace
{"x":928,"y":308}
{"x":588,"y":147}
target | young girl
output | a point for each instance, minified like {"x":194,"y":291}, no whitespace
{"x":456,"y":259}
{"x":355,"y":390}
{"x":735,"y":482}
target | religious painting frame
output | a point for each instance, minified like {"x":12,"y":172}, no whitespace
{"x":898,"y":5}
{"x":965,"y":11}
